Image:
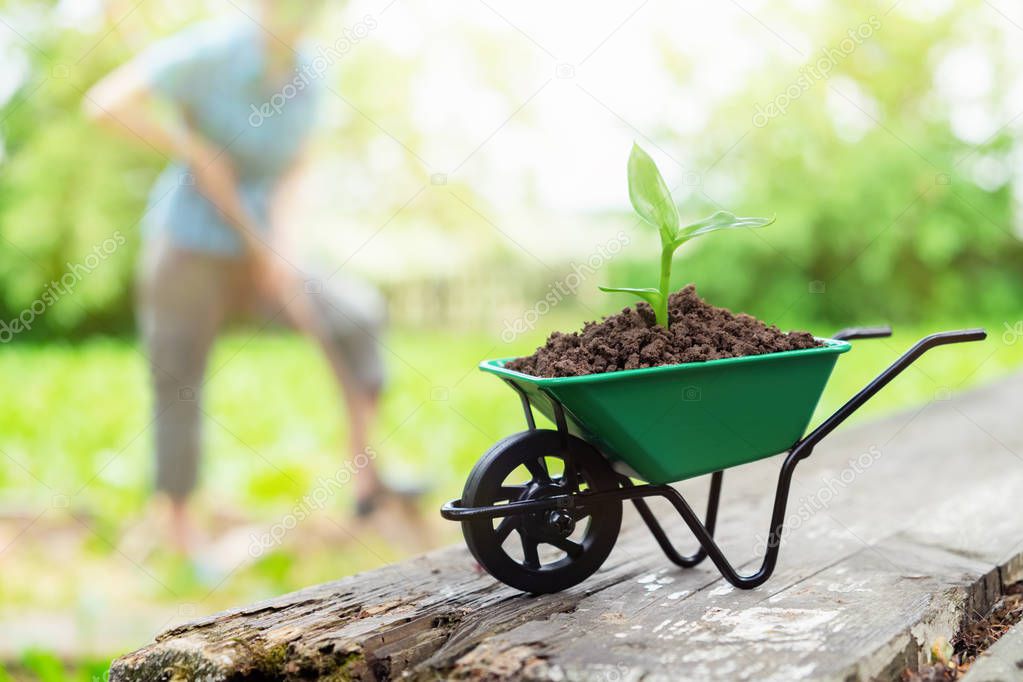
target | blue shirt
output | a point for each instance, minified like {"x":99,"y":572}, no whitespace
{"x":216,"y":74}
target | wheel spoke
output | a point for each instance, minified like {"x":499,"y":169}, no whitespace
{"x":510,"y":493}
{"x":538,"y":468}
{"x":579,"y":514}
{"x":570,"y":478}
{"x":530,"y":552}
{"x":572,"y":549}
{"x":504,"y":529}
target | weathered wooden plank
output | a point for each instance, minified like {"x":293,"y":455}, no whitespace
{"x":897,"y":528}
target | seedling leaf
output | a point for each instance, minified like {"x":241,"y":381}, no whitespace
{"x":722,"y":220}
{"x":648,"y":294}
{"x":650,"y":195}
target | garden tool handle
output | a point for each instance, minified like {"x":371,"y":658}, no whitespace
{"x":850,"y":333}
{"x":804,"y":447}
{"x":942,"y":338}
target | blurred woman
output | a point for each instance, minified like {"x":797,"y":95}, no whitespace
{"x":209,"y":247}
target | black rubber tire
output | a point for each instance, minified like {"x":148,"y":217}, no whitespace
{"x":484,"y":487}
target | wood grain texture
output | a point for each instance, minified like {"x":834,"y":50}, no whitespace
{"x":896,"y":529}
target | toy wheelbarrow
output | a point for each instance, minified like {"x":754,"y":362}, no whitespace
{"x":561,"y":491}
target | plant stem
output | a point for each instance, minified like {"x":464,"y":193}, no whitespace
{"x":661,"y":311}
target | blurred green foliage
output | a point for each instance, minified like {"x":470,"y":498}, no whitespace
{"x":40,"y":665}
{"x":65,"y":187}
{"x":889,"y":217}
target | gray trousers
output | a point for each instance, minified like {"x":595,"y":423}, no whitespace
{"x":184,"y":299}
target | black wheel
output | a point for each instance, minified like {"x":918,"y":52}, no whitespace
{"x":545,"y":551}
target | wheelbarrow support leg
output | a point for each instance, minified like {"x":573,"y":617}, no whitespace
{"x":685,"y":561}
{"x":705,"y":532}
{"x":801,"y":450}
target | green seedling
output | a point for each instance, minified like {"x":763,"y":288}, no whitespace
{"x":652,"y":200}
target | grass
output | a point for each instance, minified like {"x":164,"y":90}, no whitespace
{"x":76,"y":446}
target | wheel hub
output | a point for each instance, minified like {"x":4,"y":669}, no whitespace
{"x":560,"y":522}
{"x":552,"y":524}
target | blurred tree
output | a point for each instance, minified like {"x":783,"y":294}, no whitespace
{"x":71,"y":197}
{"x":886,"y":209}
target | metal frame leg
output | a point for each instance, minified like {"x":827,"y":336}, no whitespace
{"x":685,"y":561}
{"x":705,"y":534}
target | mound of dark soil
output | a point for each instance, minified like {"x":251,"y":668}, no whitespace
{"x":632,"y":340}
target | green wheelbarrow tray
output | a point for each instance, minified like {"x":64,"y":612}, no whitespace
{"x":662,"y":424}
{"x":666,"y":424}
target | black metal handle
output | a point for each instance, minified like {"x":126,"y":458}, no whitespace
{"x":942,"y":338}
{"x":805,"y":446}
{"x":850,"y":333}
